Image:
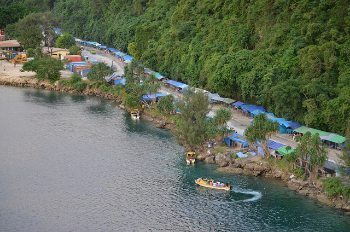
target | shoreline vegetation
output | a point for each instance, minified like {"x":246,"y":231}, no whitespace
{"x":327,"y":191}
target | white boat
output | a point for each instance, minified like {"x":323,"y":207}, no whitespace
{"x":135,"y":114}
{"x":190,"y":158}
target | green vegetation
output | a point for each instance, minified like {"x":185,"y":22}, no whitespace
{"x":166,"y":105}
{"x":46,"y":68}
{"x":99,"y":72}
{"x":333,"y":186}
{"x":74,"y":50}
{"x":74,"y":82}
{"x":290,"y":56}
{"x":192,"y":118}
{"x":65,"y":41}
{"x":33,"y":29}
{"x":261,"y":130}
{"x":309,"y":155}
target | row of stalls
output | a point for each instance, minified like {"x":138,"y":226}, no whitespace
{"x":123,"y":57}
{"x":285,"y":126}
{"x":332,"y":140}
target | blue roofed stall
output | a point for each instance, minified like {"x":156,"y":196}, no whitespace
{"x":112,"y":50}
{"x":236,"y":140}
{"x":285,"y":126}
{"x":178,"y":85}
{"x":153,"y":97}
{"x":249,"y":109}
{"x":238,"y":104}
{"x":127,"y":59}
{"x":119,"y":54}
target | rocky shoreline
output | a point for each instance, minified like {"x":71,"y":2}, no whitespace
{"x":253,"y":166}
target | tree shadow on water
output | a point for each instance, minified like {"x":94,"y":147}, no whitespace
{"x":44,"y":97}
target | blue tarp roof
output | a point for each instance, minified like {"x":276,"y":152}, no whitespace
{"x":283,"y":122}
{"x":120,"y":81}
{"x":250,"y":108}
{"x":274,"y":145}
{"x":112,"y":49}
{"x":127,"y":57}
{"x":238,"y":104}
{"x":177,"y":84}
{"x":102,"y":47}
{"x":151,"y":97}
{"x":239,"y":139}
{"x":120,"y":54}
{"x":257,"y":112}
{"x":241,"y":155}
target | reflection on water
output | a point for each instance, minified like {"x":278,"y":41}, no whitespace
{"x":72,"y":163}
{"x":43,"y":97}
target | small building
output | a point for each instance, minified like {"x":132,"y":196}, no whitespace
{"x":330,"y":139}
{"x":73,"y":58}
{"x":177,"y":85}
{"x":57,"y":53}
{"x":127,"y":59}
{"x":238,"y":104}
{"x":235,"y":140}
{"x":153,"y":97}
{"x":10,"y":45}
{"x":284,"y":151}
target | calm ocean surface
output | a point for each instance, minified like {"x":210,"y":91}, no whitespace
{"x":74,"y":163}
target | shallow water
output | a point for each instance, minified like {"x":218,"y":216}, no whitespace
{"x":74,"y":163}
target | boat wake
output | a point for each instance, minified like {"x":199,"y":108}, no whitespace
{"x":255,"y":195}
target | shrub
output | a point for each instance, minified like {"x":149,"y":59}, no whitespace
{"x":334,"y":187}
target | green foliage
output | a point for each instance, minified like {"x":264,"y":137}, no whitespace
{"x":99,"y":72}
{"x":310,"y":154}
{"x":65,"y":41}
{"x":261,"y":130}
{"x":290,"y":56}
{"x":166,"y":105}
{"x":11,"y":14}
{"x":46,"y":68}
{"x":192,"y":120}
{"x":74,"y":50}
{"x":346,"y":150}
{"x":137,"y":84}
{"x":334,"y":187}
{"x":222,"y":116}
{"x":33,"y":29}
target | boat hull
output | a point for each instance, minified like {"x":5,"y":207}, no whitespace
{"x":203,"y":183}
{"x":190,"y":161}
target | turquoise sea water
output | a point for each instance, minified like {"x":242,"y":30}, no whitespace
{"x":74,"y":163}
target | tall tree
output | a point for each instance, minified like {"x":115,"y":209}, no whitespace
{"x":191,"y":126}
{"x":310,"y":154}
{"x":261,"y":130}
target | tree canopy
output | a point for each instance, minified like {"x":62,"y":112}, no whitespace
{"x":290,"y":56}
{"x":261,"y":130}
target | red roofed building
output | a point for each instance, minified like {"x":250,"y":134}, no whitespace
{"x":10,"y":45}
{"x":73,"y":58}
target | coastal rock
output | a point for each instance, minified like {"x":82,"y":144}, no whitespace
{"x":210,"y":160}
{"x":324,"y":199}
{"x":222,"y":160}
{"x":235,"y":165}
{"x":231,"y":170}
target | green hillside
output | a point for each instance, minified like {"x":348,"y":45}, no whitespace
{"x":291,"y":56}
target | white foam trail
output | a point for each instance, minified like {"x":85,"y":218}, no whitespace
{"x":256,"y":195}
